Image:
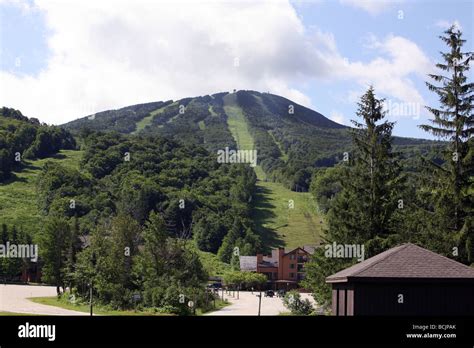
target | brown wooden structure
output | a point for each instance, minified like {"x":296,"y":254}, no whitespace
{"x":405,"y":280}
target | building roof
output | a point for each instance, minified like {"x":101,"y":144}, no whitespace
{"x":405,"y":261}
{"x":306,"y":248}
{"x":267,"y":264}
{"x":248,"y":263}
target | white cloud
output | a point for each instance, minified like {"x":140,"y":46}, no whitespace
{"x":445,"y":24}
{"x":112,"y":53}
{"x":373,"y":7}
{"x":392,"y":72}
{"x":338,"y":117}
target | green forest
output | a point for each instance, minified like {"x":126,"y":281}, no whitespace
{"x":133,"y":201}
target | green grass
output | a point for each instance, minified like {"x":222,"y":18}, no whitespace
{"x":284,"y":155}
{"x":12,"y":314}
{"x":18,"y":200}
{"x":63,"y":303}
{"x":211,"y":111}
{"x":239,"y":129}
{"x":280,"y":225}
{"x":277,"y":224}
{"x":212,"y":264}
{"x":219,"y":305}
{"x":146,"y":121}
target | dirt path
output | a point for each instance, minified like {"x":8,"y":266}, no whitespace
{"x":14,"y":298}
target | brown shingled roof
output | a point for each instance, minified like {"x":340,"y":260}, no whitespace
{"x":405,"y":261}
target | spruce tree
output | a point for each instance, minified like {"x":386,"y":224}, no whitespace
{"x":453,"y":121}
{"x":371,"y":185}
{"x":365,"y":210}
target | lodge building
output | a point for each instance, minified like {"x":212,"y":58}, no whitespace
{"x":284,"y":268}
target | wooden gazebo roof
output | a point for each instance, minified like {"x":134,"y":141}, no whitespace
{"x":407,"y":261}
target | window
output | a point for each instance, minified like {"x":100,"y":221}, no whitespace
{"x":292,"y":265}
{"x":292,"y":275}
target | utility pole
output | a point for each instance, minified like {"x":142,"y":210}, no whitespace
{"x":259,"y":302}
{"x":90,"y":295}
{"x":94,"y":262}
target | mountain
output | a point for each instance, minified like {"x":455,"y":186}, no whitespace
{"x":290,"y":139}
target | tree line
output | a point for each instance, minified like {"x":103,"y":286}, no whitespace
{"x":370,"y":201}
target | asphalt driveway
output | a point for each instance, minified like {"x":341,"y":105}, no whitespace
{"x":247,"y":304}
{"x":14,"y":298}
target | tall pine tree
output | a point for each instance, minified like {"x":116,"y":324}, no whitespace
{"x":364,"y":210}
{"x":453,"y":120}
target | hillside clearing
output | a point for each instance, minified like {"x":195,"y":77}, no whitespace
{"x":282,"y":217}
{"x":18,"y":200}
{"x":146,"y":121}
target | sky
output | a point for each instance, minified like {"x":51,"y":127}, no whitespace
{"x":65,"y":59}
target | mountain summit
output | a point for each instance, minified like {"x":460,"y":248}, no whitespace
{"x":289,"y":137}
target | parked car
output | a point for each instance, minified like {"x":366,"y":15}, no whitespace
{"x":281,"y":293}
{"x":269,"y":293}
{"x":214,"y":286}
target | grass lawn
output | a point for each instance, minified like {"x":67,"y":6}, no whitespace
{"x":277,"y":224}
{"x":18,"y":200}
{"x":62,"y":303}
{"x":219,"y":305}
{"x":11,"y":314}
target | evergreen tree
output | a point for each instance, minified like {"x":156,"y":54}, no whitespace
{"x":365,"y":210}
{"x":371,"y":185}
{"x":453,"y":184}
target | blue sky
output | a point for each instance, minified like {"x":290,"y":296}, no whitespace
{"x":422,"y":22}
{"x":63,"y":60}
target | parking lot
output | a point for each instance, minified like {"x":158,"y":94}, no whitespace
{"x":247,"y":304}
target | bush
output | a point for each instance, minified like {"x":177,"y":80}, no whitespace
{"x":296,"y":305}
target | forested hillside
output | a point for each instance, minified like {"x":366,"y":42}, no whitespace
{"x":138,"y":175}
{"x":291,"y":140}
{"x":24,"y":138}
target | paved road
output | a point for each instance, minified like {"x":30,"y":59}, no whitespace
{"x":14,"y":298}
{"x":247,"y":304}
